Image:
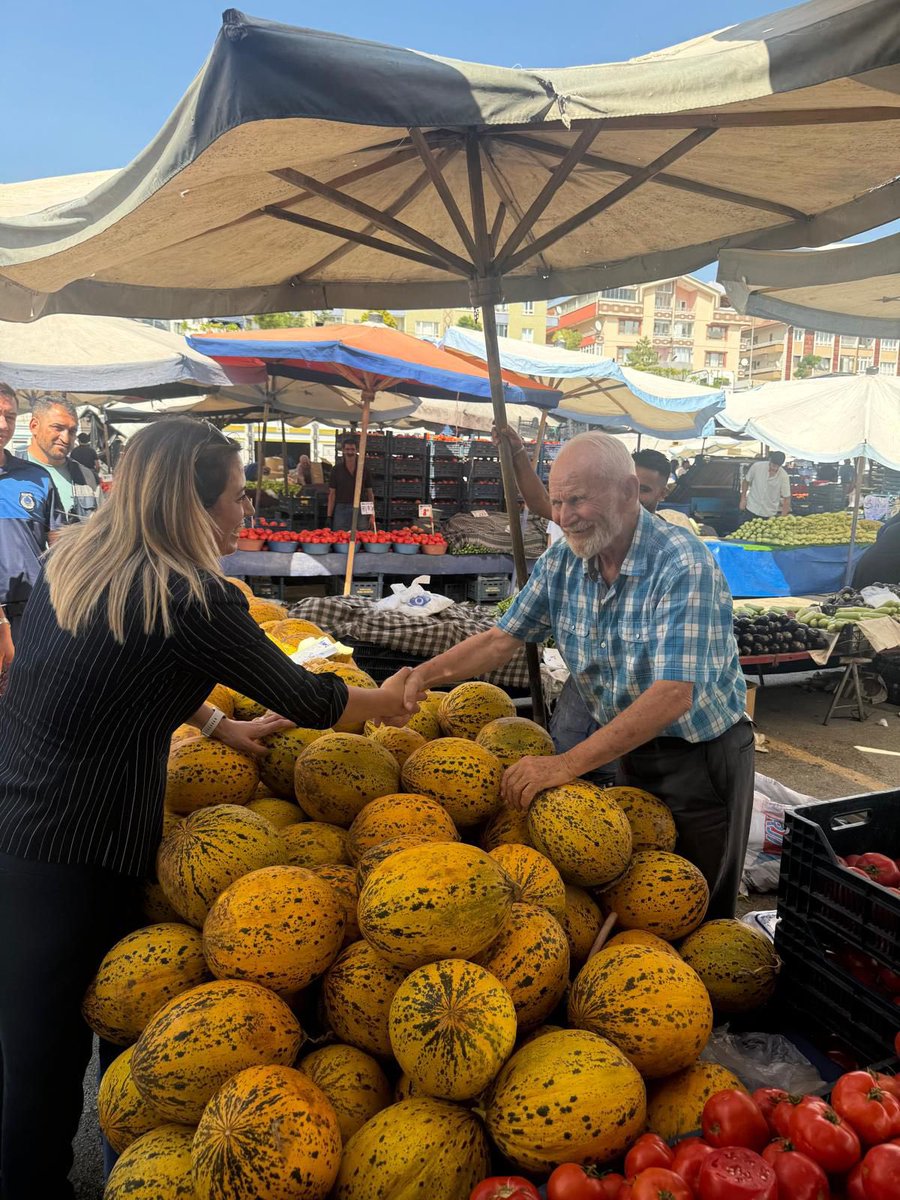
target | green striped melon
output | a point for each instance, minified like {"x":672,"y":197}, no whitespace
{"x":122,"y":1111}
{"x":675,"y":1104}
{"x":276,"y":768}
{"x":352,"y":1080}
{"x":401,"y":741}
{"x":314,"y":844}
{"x":464,"y":777}
{"x":537,"y":880}
{"x":281,"y":927}
{"x":507,"y":825}
{"x":277,"y":812}
{"x":660,"y":892}
{"x":200,"y":1039}
{"x":581,"y":922}
{"x":569,"y":1096}
{"x":357,"y":991}
{"x":440,"y":900}
{"x":452,"y":1027}
{"x":584,"y":834}
{"x":211,"y":849}
{"x":337,"y":776}
{"x":530,"y":957}
{"x":651,"y":821}
{"x":141,"y":973}
{"x":465,"y":710}
{"x":203,"y":771}
{"x":396,"y":815}
{"x":156,"y":1166}
{"x":269,"y":1133}
{"x":653,"y":1006}
{"x":738,"y":965}
{"x":343,"y":879}
{"x":416,"y":1148}
{"x":512,"y":738}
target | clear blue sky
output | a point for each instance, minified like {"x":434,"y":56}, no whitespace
{"x":84,"y":85}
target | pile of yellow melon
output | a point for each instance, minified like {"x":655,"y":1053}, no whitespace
{"x":354,"y":950}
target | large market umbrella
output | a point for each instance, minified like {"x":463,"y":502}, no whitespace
{"x":599,"y":390}
{"x":845,"y":289}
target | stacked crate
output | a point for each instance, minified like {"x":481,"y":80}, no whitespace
{"x":448,"y":482}
{"x":377,"y":454}
{"x":406,"y":481}
{"x":484,"y":483}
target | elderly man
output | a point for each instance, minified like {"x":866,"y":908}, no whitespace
{"x":643,"y":618}
{"x":54,"y":424}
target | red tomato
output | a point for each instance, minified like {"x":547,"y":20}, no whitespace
{"x":851,"y":859}
{"x":873,"y":1113}
{"x":690,"y":1155}
{"x":767,"y":1100}
{"x":888,"y":1083}
{"x":624,"y":1191}
{"x":881,"y":1173}
{"x":854,"y":1186}
{"x":648,"y":1151}
{"x":732,"y":1118}
{"x":823,"y":1136}
{"x":889,"y":980}
{"x":799,"y":1178}
{"x":505,"y":1187}
{"x":736,"y":1173}
{"x":879,"y":867}
{"x":611,"y":1183}
{"x":571,"y":1182}
{"x":656,"y":1183}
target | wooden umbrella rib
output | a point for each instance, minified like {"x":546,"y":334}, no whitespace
{"x":435,"y":173}
{"x":507,"y":197}
{"x":389,"y":224}
{"x":682,"y":147}
{"x":664,"y":179}
{"x":496,"y":228}
{"x":352,"y":235}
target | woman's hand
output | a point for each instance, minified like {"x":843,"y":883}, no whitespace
{"x":7,"y":649}
{"x":532,"y":774}
{"x":401,"y":696}
{"x":246,"y":736}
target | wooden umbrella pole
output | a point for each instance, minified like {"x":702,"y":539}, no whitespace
{"x":367,"y":398}
{"x":539,"y":442}
{"x":261,"y":455}
{"x":857,"y":496}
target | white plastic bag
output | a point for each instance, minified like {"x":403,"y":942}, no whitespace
{"x":413,"y":599}
{"x":763,"y":1060}
{"x":771,"y":800}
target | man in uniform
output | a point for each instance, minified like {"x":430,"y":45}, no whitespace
{"x":54,"y":424}
{"x":643,"y":618}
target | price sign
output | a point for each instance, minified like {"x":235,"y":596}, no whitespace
{"x":425,"y":510}
{"x":480,"y":512}
{"x":367,"y":508}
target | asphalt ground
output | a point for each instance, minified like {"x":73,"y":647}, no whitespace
{"x":844,"y":758}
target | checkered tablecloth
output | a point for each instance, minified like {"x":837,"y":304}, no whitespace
{"x":349,"y":617}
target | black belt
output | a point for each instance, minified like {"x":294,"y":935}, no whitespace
{"x":674,"y":743}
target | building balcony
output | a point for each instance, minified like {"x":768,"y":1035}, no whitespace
{"x":663,"y":310}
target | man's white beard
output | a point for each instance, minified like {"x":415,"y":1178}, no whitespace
{"x":596,"y":542}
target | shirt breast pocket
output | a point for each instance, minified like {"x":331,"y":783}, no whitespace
{"x":574,"y":638}
{"x":635,"y":646}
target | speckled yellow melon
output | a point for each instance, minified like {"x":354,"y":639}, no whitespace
{"x":507,"y":825}
{"x":155,"y":907}
{"x":314,"y":844}
{"x":569,"y":1096}
{"x":210,"y":850}
{"x":246,"y":709}
{"x":198,"y":1040}
{"x":202,"y":771}
{"x":281,"y":927}
{"x":156,"y":1166}
{"x":512,"y":738}
{"x":401,"y":742}
{"x":660,"y":892}
{"x":342,"y":879}
{"x":277,"y":812}
{"x":122,"y":1111}
{"x":397,"y":815}
{"x":537,"y":880}
{"x":425,"y":722}
{"x":530,"y":957}
{"x":223,"y":698}
{"x":584,"y":834}
{"x":357,"y":992}
{"x":352,"y":675}
{"x":463,"y":777}
{"x":337,"y":776}
{"x":651,"y":821}
{"x":581,"y":922}
{"x":465,"y":711}
{"x":640,"y":937}
{"x":434,"y":699}
{"x":276,"y":769}
{"x":440,"y":900}
{"x":653,"y":1006}
{"x":407,"y":1089}
{"x":426,"y":1148}
{"x":142,"y":972}
{"x":183,"y":732}
{"x":293,"y":630}
{"x":241,"y":586}
{"x":737,"y":964}
{"x":374,"y":857}
{"x":452,"y":1027}
{"x":269,"y":1133}
{"x":352,"y":1080}
{"x":675,"y":1104}
{"x":266,"y":610}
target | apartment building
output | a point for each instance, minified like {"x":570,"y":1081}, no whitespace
{"x":689,"y":323}
{"x":771,"y":350}
{"x":526,"y":320}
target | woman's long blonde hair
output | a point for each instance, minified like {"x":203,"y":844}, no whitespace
{"x":153,"y":528}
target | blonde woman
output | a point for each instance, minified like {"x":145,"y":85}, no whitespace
{"x":125,"y":633}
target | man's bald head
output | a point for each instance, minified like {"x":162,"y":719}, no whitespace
{"x":594,"y":493}
{"x":598,"y":452}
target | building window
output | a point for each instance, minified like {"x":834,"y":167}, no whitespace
{"x":427,"y":329}
{"x":716,"y":332}
{"x":502,"y":329}
{"x":824,"y":339}
{"x":684,"y":329}
{"x":629,"y":326}
{"x":715,"y":358}
{"x":623,"y":293}
{"x":621,"y":354}
{"x":889,"y":343}
{"x":866,"y":343}
{"x":662,"y":329}
{"x":862,"y":365}
{"x":527,"y":334}
{"x":799,"y":334}
{"x":849,"y":340}
{"x":501,"y":308}
{"x":887,"y":368}
{"x":847,"y":365}
{"x":681,"y":355}
{"x":528,"y":308}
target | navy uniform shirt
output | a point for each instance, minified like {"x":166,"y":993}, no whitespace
{"x":29,"y":510}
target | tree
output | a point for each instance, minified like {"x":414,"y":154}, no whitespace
{"x":642,"y":357}
{"x":389,"y":319}
{"x":207,"y":326}
{"x":569,"y":339}
{"x":807,"y":364}
{"x":282,"y":320}
{"x":468,"y":321}
{"x":324,"y":316}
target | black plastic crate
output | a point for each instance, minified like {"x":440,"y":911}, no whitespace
{"x":484,"y":450}
{"x":815,"y":889}
{"x":414,"y":491}
{"x":488,"y":589}
{"x":380,"y":661}
{"x":407,"y":468}
{"x":447,"y":489}
{"x":484,"y":468}
{"x":401,"y":444}
{"x":366,"y":589}
{"x":447,"y":468}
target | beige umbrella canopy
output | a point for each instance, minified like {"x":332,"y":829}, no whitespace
{"x":845,"y":289}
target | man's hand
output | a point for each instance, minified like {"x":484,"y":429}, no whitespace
{"x":402,"y":694}
{"x":7,"y":649}
{"x":530,"y":775}
{"x":246,"y":736}
{"x":510,"y":436}
{"x":415,"y":688}
{"x":742,"y":503}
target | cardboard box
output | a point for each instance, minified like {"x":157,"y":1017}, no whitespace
{"x":316,"y":473}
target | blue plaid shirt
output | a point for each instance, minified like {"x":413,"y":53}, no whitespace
{"x":667,"y":616}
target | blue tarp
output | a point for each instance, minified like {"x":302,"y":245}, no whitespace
{"x":809,"y":570}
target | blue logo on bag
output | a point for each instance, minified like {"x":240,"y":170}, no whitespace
{"x":418,"y":601}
